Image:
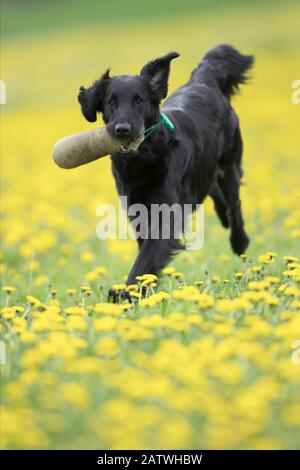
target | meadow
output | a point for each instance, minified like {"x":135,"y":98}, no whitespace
{"x":210,"y":358}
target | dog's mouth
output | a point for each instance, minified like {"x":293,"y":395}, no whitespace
{"x":127,"y":144}
{"x":130,"y":144}
{"x":125,"y":149}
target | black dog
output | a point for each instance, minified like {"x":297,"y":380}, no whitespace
{"x":201,"y":157}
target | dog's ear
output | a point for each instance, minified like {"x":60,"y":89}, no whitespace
{"x":157,"y":73}
{"x":91,"y":99}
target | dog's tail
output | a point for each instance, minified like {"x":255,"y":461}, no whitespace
{"x":228,"y":67}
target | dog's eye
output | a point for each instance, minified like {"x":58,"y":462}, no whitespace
{"x":112,"y":102}
{"x":138,"y":100}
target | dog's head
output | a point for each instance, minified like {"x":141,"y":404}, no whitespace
{"x":128,"y":103}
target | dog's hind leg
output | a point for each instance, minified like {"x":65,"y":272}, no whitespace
{"x":220,"y":204}
{"x":230,"y":185}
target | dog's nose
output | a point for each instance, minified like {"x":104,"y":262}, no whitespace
{"x":123,"y":129}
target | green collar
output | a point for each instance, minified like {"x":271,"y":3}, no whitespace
{"x":164,"y":121}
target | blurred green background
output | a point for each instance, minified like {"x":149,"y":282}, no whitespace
{"x":19,"y":16}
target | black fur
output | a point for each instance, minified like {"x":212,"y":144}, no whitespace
{"x":202,"y":157}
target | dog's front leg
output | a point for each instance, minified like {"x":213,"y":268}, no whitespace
{"x":163,"y":235}
{"x":152,"y":257}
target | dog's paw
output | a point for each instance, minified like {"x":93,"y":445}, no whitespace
{"x":239,"y":242}
{"x":118,"y":296}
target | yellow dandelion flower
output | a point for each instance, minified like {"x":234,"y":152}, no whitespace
{"x":33,"y":300}
{"x":286,"y":315}
{"x":100,"y":270}
{"x":75,"y":310}
{"x":256,"y":269}
{"x":258,"y":285}
{"x":7,"y":313}
{"x":155,"y":321}
{"x":231,"y":305}
{"x":130,"y":331}
{"x":86,"y":290}
{"x":135,"y":295}
{"x":271,"y":254}
{"x":238,"y":275}
{"x":76,"y":323}
{"x":91,"y":276}
{"x":28,"y":337}
{"x":75,"y":394}
{"x":111,"y":309}
{"x":269,"y":299}
{"x":119,"y":287}
{"x":108,"y":347}
{"x":105,"y":324}
{"x":205,"y":301}
{"x":40,"y":280}
{"x":147,"y":277}
{"x":290,"y":259}
{"x":293,"y":265}
{"x":264,"y":259}
{"x":292,"y":273}
{"x":18,"y":309}
{"x":71,"y":291}
{"x":132,"y":288}
{"x":87,"y":256}
{"x":8,"y":289}
{"x":177,"y":275}
{"x":168,"y":271}
{"x":272,"y":279}
{"x":292,"y":291}
{"x":154,"y":299}
{"x":177,"y":321}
